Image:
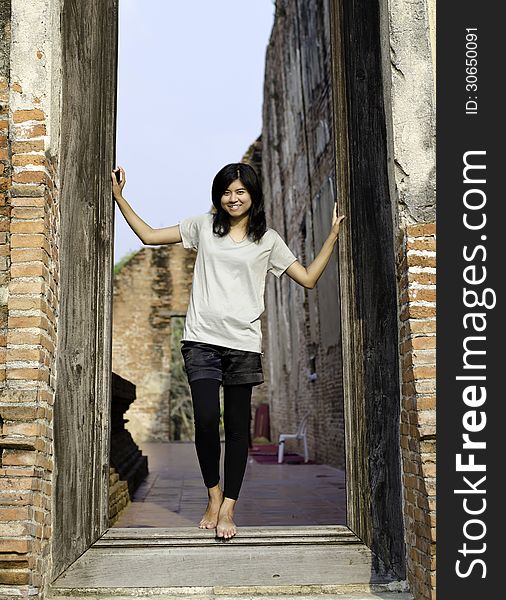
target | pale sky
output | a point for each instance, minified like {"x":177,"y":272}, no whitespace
{"x":189,"y":102}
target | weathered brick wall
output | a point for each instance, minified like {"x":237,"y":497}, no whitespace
{"x":5,"y":180}
{"x":119,"y":498}
{"x":152,"y":286}
{"x":303,"y":344}
{"x":409,"y":77}
{"x":28,"y":296}
{"x":417,"y":291}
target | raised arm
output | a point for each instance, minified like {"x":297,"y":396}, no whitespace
{"x":146,"y":233}
{"x":308,"y":277}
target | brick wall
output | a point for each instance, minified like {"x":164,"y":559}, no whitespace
{"x":303,"y":348}
{"x":409,"y":76}
{"x":153,"y":286}
{"x":28,"y":299}
{"x":417,"y":294}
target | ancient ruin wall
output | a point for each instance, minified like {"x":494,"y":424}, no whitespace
{"x":303,"y":352}
{"x":29,"y":289}
{"x":149,"y":290}
{"x":29,"y":124}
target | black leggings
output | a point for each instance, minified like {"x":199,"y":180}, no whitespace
{"x":236,"y":417}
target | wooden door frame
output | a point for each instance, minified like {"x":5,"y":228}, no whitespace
{"x":362,"y":520}
{"x":379,"y":525}
{"x":84,"y":352}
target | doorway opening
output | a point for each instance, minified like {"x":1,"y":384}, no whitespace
{"x":301,"y":331}
{"x":365,"y":272}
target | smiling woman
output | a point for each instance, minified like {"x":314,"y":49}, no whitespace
{"x":222,"y":336}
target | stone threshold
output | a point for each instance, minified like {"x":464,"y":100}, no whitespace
{"x":355,"y":592}
{"x":257,"y":563}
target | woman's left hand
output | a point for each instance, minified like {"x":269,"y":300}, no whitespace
{"x":336,"y":220}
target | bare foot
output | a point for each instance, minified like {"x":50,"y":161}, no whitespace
{"x":226,"y":527}
{"x":210,"y":518}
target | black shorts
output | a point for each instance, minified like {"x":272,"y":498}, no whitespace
{"x":228,"y":365}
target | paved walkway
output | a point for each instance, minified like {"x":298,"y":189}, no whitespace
{"x":173,"y":494}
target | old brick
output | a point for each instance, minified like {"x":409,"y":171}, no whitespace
{"x":422,"y":229}
{"x":28,"y":374}
{"x":416,"y":311}
{"x":23,"y":337}
{"x":429,"y":470}
{"x":25,"y":303}
{"x":28,"y":321}
{"x":422,"y":295}
{"x":428,"y":446}
{"x":31,"y":269}
{"x":17,"y":545}
{"x":25,"y":132}
{"x":19,"y":255}
{"x":423,"y":278}
{"x":425,"y":372}
{"x":22,"y":286}
{"x":17,"y":353}
{"x":19,"y":471}
{"x":18,"y":513}
{"x":19,"y":212}
{"x":22,"y":160}
{"x":426,"y":403}
{"x":422,"y":342}
{"x":29,"y":201}
{"x":35,"y":114}
{"x":29,"y":240}
{"x":30,"y":177}
{"x":21,"y":412}
{"x":38,"y":226}
{"x":421,"y":244}
{"x":422,"y":325}
{"x":11,"y":576}
{"x":20,"y":147}
{"x":424,"y":356}
{"x":421,"y":260}
{"x":425,"y":386}
{"x":21,"y":428}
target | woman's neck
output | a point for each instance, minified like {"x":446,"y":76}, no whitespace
{"x":239,"y":223}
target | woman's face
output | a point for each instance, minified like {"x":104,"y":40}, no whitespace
{"x":236,"y":200}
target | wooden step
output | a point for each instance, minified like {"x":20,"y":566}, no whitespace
{"x":131,"y":537}
{"x":270,"y":593}
{"x":257,"y":563}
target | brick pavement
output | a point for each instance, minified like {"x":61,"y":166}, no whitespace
{"x":173,"y":494}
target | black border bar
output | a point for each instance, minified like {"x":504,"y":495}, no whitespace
{"x":470,"y":256}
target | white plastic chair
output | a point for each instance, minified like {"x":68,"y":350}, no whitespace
{"x":300,"y":434}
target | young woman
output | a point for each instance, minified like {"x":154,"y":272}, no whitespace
{"x":222,"y":339}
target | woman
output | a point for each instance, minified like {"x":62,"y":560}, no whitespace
{"x":222,"y":340}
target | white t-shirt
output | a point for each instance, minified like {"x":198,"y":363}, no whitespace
{"x":227,"y":296}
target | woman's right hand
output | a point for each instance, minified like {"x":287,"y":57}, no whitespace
{"x":117,"y":187}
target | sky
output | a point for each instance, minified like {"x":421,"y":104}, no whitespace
{"x":190,"y":87}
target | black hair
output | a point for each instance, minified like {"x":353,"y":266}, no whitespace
{"x":221,"y":222}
